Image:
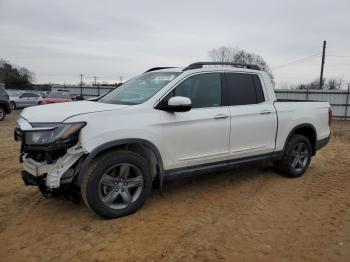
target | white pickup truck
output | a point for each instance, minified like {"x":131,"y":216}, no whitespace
{"x":165,"y":123}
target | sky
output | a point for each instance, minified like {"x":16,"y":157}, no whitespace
{"x":59,"y":40}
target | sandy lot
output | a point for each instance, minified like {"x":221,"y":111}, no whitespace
{"x":247,"y":214}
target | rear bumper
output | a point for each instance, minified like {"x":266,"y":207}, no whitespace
{"x":322,"y":143}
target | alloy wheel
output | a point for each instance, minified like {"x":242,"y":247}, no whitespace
{"x":300,"y":156}
{"x":121,"y":185}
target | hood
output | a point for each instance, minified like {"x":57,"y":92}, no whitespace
{"x":61,"y":111}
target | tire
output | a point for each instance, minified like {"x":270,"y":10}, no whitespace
{"x":12,"y":105}
{"x":40,"y":103}
{"x":116,"y":184}
{"x":2,"y":113}
{"x":296,"y":157}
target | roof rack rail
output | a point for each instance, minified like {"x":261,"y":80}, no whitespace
{"x":201,"y":64}
{"x":158,"y":68}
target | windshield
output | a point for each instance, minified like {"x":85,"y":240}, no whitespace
{"x":58,"y":95}
{"x":139,"y":89}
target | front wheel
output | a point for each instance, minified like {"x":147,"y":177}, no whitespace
{"x":116,"y":184}
{"x":297,"y":156}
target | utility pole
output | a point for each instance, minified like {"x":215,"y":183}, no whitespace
{"x":81,"y":86}
{"x":322,"y":64}
{"x":121,"y":79}
{"x":95,"y":77}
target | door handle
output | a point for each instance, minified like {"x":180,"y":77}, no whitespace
{"x":221,"y":116}
{"x":265,"y":112}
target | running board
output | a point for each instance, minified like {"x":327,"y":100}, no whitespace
{"x":217,"y":166}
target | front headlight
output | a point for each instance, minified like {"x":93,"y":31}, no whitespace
{"x":62,"y":133}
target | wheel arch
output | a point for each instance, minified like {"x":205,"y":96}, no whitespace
{"x":141,"y":146}
{"x":307,"y":130}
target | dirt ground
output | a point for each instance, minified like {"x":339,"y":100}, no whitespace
{"x":247,"y":214}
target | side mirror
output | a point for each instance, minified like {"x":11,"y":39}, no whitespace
{"x":176,"y":104}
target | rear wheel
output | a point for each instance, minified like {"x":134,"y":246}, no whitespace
{"x":13,"y":105}
{"x":116,"y":184}
{"x":297,"y":156}
{"x":2,"y":113}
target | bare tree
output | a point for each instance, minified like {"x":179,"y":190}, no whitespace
{"x":222,"y":54}
{"x":285,"y":85}
{"x":236,"y":55}
{"x":331,"y":83}
{"x":315,"y":84}
{"x":335,"y":83}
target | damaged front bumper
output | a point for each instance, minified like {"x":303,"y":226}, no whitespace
{"x":56,"y":173}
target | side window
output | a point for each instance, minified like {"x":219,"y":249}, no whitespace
{"x":243,"y":89}
{"x":204,"y":90}
{"x":24,"y":95}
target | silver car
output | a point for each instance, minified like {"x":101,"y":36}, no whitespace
{"x":21,"y":100}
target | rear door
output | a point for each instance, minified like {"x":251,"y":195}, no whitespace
{"x":200,"y":135}
{"x":33,"y":99}
{"x":253,"y":118}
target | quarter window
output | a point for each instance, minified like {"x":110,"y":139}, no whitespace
{"x":204,"y":90}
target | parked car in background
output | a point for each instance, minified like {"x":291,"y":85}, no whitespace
{"x":4,"y":102}
{"x":41,"y":93}
{"x":25,"y":99}
{"x":57,"y":97}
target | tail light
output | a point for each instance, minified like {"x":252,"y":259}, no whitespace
{"x":329,"y":116}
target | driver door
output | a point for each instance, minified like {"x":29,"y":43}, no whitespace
{"x":200,"y":135}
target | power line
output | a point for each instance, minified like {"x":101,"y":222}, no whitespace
{"x":340,"y":56}
{"x":300,"y":60}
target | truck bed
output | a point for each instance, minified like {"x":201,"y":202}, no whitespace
{"x":292,"y":113}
